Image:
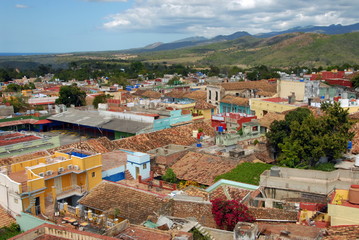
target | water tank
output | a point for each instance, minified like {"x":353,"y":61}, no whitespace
{"x":356,"y":161}
{"x":274,"y":171}
{"x":220,"y":128}
{"x":353,"y":196}
{"x":350,"y":145}
{"x":199,"y":144}
{"x":245,"y":231}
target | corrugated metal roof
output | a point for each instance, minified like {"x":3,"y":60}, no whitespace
{"x":127,"y":126}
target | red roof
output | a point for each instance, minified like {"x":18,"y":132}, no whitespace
{"x":276,"y":99}
{"x":45,"y":121}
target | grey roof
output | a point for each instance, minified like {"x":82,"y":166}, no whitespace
{"x":94,"y":119}
{"x":123,"y":125}
{"x":86,"y":118}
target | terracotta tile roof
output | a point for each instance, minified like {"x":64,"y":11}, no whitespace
{"x":227,"y":192}
{"x":342,"y":232}
{"x":139,"y":92}
{"x":20,"y":158}
{"x":143,"y":233}
{"x":235,"y":100}
{"x":203,"y":105}
{"x":197,"y":95}
{"x":295,"y":231}
{"x":98,"y":145}
{"x":262,"y":85}
{"x":203,"y":168}
{"x":50,"y":231}
{"x":5,"y":218}
{"x":194,"y":191}
{"x":355,"y":140}
{"x":265,"y":94}
{"x":151,"y":94}
{"x":175,"y":94}
{"x":181,"y":135}
{"x":273,"y":213}
{"x":134,"y":204}
{"x":264,"y":156}
{"x":270,"y":117}
{"x":113,"y":159}
{"x":354,"y":116}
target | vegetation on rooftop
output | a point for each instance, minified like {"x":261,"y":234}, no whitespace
{"x":246,"y":172}
{"x":10,"y":231}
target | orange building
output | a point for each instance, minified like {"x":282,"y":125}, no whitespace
{"x":65,"y":176}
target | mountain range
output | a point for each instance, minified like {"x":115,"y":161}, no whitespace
{"x":198,"y":41}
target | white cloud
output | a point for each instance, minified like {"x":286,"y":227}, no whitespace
{"x":213,"y":17}
{"x":21,"y":6}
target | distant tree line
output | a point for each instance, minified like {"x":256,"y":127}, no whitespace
{"x":118,"y":71}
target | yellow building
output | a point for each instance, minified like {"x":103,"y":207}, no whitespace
{"x":66,"y":175}
{"x":341,"y":209}
{"x":262,"y":106}
{"x":199,"y":109}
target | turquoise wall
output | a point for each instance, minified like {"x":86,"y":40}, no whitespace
{"x":226,"y":107}
{"x":174,"y":118}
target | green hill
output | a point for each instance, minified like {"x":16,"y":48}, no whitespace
{"x":286,"y":50}
{"x":305,"y":49}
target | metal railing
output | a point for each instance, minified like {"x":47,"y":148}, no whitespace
{"x":69,"y":189}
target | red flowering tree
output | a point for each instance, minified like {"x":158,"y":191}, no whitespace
{"x":227,"y":213}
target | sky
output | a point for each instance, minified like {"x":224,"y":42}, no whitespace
{"x":61,"y":26}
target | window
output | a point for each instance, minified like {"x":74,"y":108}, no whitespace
{"x":144,"y":166}
{"x":93,"y":174}
{"x":216,"y":96}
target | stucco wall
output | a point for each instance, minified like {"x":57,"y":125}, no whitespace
{"x":9,"y":197}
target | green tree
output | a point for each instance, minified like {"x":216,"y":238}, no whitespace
{"x":13,"y":87}
{"x":309,"y":138}
{"x":19,"y":103}
{"x":100,"y":99}
{"x":174,"y":81}
{"x":69,"y":95}
{"x":169,"y":176}
{"x":4,"y":76}
{"x":279,"y":130}
{"x":214,"y":71}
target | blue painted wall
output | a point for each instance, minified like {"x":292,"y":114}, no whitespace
{"x":226,"y":107}
{"x":175,"y":117}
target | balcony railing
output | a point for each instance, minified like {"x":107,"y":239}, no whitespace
{"x":73,"y":189}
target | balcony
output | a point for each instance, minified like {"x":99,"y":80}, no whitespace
{"x":70,"y":191}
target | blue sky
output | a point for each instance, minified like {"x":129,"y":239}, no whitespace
{"x":94,"y":25}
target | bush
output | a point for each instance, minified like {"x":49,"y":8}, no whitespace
{"x":10,"y":231}
{"x":169,"y":176}
{"x":227,"y":213}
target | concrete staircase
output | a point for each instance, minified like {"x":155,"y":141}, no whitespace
{"x":128,"y":175}
{"x":203,"y":231}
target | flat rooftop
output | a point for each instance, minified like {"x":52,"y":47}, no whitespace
{"x":113,"y":159}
